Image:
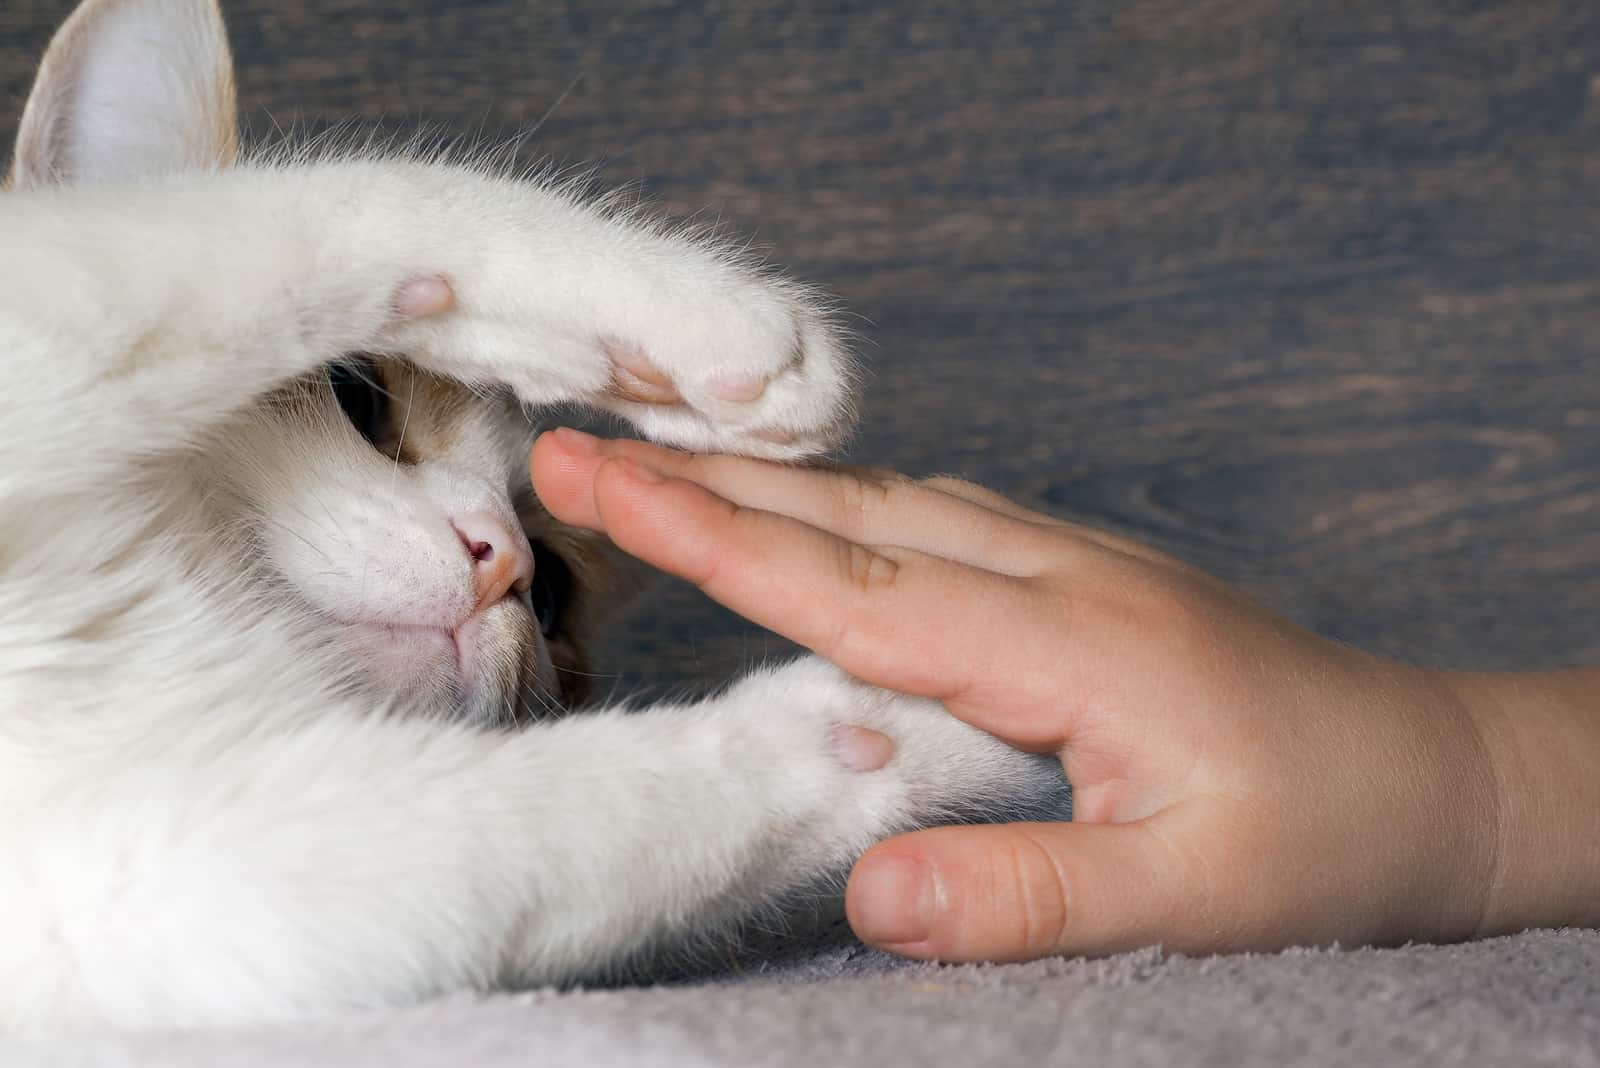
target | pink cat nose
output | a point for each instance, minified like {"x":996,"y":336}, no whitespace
{"x":502,"y":562}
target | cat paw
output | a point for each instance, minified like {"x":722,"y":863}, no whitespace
{"x":924,"y":766}
{"x":888,"y":763}
{"x":687,"y":338}
{"x":772,"y":379}
{"x":815,"y":767}
{"x":723,"y":360}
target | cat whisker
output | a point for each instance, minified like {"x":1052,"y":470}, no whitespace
{"x":399,"y":445}
{"x":551,"y":110}
{"x":588,"y":674}
{"x":298,"y":536}
{"x":534,"y":687}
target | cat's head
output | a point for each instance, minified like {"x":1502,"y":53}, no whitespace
{"x":386,"y":513}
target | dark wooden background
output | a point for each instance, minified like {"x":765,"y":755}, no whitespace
{"x":1305,"y":292}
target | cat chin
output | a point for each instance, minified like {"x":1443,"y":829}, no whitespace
{"x":507,"y":666}
{"x":407,"y":658}
{"x":491,"y":667}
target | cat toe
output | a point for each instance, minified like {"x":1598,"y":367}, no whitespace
{"x":421,"y":297}
{"x":737,"y":387}
{"x":635,"y":378}
{"x":780,"y":386}
{"x":860,"y":748}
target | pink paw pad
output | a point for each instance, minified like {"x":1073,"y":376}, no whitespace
{"x":736,"y":387}
{"x":422,"y":297}
{"x":635,"y":378}
{"x":860,"y":748}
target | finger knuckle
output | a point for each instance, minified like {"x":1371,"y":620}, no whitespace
{"x":880,"y":474}
{"x":861,"y":494}
{"x":950,"y":484}
{"x":1043,"y":908}
{"x":868,"y":570}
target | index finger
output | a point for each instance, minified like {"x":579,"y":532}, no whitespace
{"x":861,"y":506}
{"x":893,"y":617}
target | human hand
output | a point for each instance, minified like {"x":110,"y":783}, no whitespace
{"x":1239,"y":783}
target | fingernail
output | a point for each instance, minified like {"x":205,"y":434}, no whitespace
{"x":577,"y":441}
{"x":891,"y":899}
{"x":639,"y":472}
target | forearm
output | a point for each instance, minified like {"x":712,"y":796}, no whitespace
{"x":1542,"y":733}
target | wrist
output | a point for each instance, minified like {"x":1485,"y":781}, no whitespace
{"x":1541,"y":739}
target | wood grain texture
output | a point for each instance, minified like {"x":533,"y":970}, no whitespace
{"x":1306,"y":293}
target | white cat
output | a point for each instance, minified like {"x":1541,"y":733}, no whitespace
{"x":265,"y":625}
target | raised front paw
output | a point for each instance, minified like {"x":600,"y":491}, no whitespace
{"x":563,"y":300}
{"x":710,"y":356}
{"x":703,"y":353}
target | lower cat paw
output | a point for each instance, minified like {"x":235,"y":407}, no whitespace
{"x":940,"y":769}
{"x":892,"y":763}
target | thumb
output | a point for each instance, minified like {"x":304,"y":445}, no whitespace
{"x":1023,"y":890}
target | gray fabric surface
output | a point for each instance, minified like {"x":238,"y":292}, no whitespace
{"x":1306,"y":293}
{"x":1529,"y":1000}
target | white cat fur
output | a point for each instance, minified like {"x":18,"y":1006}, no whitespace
{"x":207,"y":816}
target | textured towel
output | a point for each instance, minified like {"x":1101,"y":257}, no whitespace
{"x":1529,"y":1000}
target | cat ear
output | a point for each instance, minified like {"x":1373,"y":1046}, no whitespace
{"x":130,"y":89}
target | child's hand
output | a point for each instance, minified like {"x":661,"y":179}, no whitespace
{"x":1239,"y":782}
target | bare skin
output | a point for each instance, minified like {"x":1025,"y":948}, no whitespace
{"x":1240,"y":782}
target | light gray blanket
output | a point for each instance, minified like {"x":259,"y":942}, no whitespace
{"x":1529,"y":1000}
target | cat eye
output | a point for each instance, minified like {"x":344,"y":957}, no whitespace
{"x":358,"y":388}
{"x":551,"y":589}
